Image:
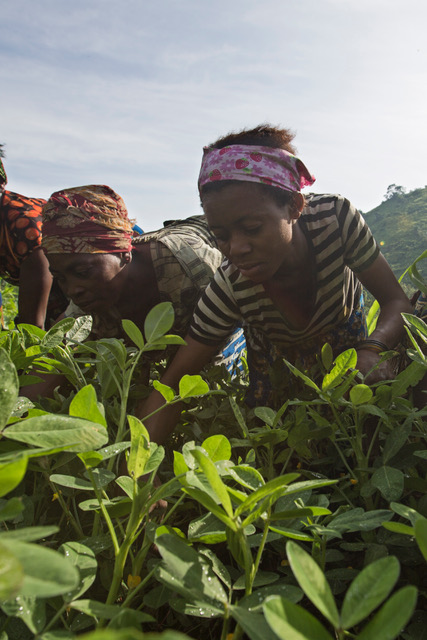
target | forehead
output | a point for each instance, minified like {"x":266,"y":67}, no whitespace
{"x":66,"y":262}
{"x":238,"y":202}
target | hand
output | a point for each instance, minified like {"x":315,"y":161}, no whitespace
{"x":366,"y":359}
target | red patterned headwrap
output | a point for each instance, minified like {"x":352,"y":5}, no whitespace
{"x":90,"y":219}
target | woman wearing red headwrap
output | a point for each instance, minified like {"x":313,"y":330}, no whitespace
{"x":110,"y":274}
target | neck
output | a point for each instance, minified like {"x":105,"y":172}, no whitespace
{"x":298,"y":259}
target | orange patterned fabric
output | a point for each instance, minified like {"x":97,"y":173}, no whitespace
{"x":20,"y":232}
{"x":89,"y":219}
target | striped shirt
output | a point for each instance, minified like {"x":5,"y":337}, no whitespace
{"x":342,"y":245}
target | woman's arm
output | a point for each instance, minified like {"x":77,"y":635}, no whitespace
{"x":380,"y":281}
{"x":35,"y":281}
{"x":189,"y":359}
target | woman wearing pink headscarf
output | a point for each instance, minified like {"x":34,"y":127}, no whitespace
{"x":293,"y":272}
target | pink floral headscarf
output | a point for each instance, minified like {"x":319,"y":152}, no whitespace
{"x":266,"y":165}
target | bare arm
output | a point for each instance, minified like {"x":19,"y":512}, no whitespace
{"x":383,"y":285}
{"x":35,"y":281}
{"x":189,"y":359}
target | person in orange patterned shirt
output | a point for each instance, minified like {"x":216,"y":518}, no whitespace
{"x":22,"y":260}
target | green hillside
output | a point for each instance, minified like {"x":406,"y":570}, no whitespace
{"x":399,"y":224}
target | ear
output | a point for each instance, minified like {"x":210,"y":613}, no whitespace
{"x":297,"y":205}
{"x":126,"y":258}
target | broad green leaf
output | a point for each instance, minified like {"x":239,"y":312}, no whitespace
{"x":113,"y":450}
{"x":266,"y":414}
{"x":211,"y":473}
{"x":218,"y":567}
{"x":75,"y":434}
{"x":292,"y":533}
{"x":139,"y":447}
{"x":361,"y":394}
{"x":301,"y":375}
{"x":29,"y":534}
{"x":313,"y":582}
{"x":11,"y":574}
{"x":133,"y":333}
{"x":368,"y":590}
{"x":127,"y":484}
{"x":256,"y":599}
{"x":132,"y":634}
{"x":359,"y":520}
{"x":91,"y":459}
{"x":163,"y":342}
{"x":343,"y":362}
{"x":80,"y":330}
{"x":84,"y":560}
{"x":421,"y":536}
{"x":192,"y":386}
{"x":210,"y":505}
{"x":253,"y":624}
{"x":127,"y":618}
{"x":198,"y":609}
{"x":85,"y":405}
{"x":101,"y":478}
{"x":299,"y":513}
{"x":247,"y":476}
{"x":46,"y":572}
{"x":167,"y":392}
{"x":406,"y":512}
{"x":399,"y":527}
{"x":389,"y":481}
{"x":207,"y":528}
{"x":9,"y":387}
{"x":10,"y":509}
{"x":217,"y":447}
{"x":388,"y":623}
{"x":56,"y":334}
{"x":157,"y":454}
{"x":187,"y":572}
{"x":96,"y":609}
{"x":56,"y":635}
{"x":395,"y":440}
{"x":114,"y":347}
{"x":261,"y":579}
{"x":11,"y":474}
{"x":276,"y":485}
{"x":31,"y":611}
{"x":289,"y":621}
{"x":327,"y":356}
{"x":71,"y":481}
{"x":158,"y":321}
{"x":179,"y":465}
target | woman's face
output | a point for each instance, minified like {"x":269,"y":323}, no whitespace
{"x":253,"y":231}
{"x":93,"y":281}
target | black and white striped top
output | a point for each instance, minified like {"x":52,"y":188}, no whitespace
{"x":343,"y":246}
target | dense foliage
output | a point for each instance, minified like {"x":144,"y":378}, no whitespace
{"x":399,"y":224}
{"x":307,"y":523}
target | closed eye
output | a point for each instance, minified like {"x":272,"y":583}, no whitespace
{"x":253,"y":230}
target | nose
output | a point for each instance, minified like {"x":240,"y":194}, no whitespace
{"x":238,"y":246}
{"x":72,"y":288}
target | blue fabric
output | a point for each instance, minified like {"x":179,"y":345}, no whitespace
{"x":233,"y":350}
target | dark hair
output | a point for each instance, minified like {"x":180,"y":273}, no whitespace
{"x":264,"y":135}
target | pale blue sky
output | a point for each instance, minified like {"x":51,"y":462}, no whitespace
{"x":127,"y":93}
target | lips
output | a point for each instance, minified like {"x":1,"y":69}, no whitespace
{"x":252,"y":270}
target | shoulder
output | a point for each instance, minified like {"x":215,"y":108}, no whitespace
{"x":23,"y":204}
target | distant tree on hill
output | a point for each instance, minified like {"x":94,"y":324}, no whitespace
{"x":394,"y":190}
